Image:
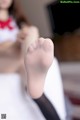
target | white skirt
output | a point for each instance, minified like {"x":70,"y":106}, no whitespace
{"x":15,"y":102}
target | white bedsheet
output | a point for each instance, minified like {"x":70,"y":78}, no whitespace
{"x":54,"y":89}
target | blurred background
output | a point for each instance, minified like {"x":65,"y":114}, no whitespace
{"x":61,"y":22}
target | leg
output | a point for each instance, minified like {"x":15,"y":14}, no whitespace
{"x":47,"y":108}
{"x":38,"y":59}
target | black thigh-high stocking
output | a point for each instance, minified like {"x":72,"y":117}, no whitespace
{"x":47,"y":108}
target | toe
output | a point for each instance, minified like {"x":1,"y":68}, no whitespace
{"x":34,"y":45}
{"x":31,"y":48}
{"x":48,"y":44}
{"x":41,"y":41}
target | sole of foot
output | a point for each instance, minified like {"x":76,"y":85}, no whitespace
{"x":38,"y":60}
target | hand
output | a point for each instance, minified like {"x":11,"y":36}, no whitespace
{"x":28,"y":32}
{"x":26,"y":36}
{"x":32,"y":36}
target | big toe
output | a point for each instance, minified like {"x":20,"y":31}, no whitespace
{"x":48,"y":45}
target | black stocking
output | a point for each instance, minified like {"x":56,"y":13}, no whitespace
{"x":47,"y":108}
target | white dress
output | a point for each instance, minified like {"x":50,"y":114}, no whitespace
{"x":15,"y":102}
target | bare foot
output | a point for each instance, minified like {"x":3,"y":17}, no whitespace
{"x":39,"y":58}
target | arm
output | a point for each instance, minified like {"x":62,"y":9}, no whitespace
{"x":4,"y":47}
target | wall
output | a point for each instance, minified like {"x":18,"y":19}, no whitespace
{"x":37,"y":14}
